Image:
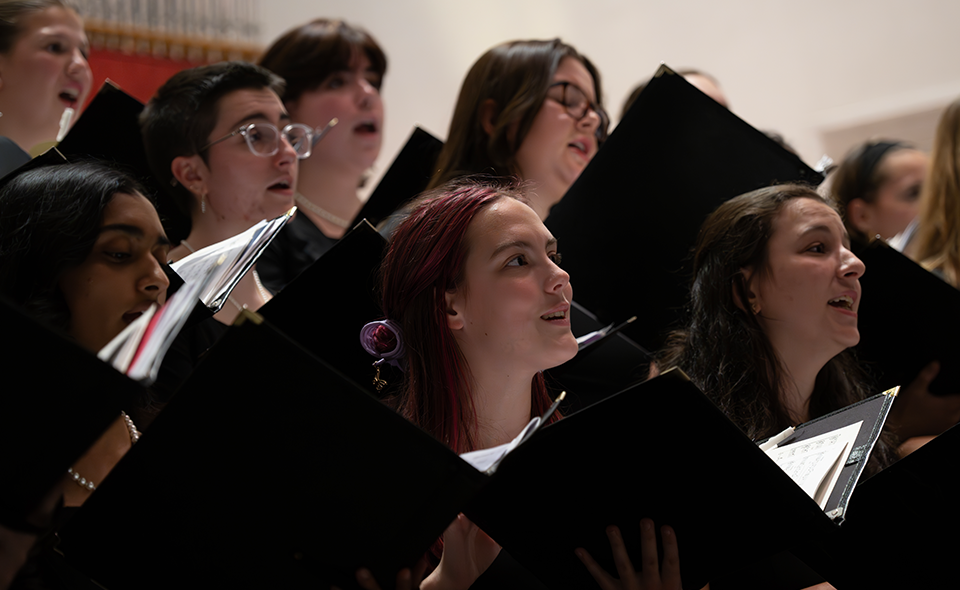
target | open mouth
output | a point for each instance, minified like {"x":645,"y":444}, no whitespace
{"x":129,"y":318}
{"x":366,"y":128}
{"x":70,"y":96}
{"x":843,"y":302}
{"x":581,"y":147}
{"x":557,"y":315}
{"x":280,"y":186}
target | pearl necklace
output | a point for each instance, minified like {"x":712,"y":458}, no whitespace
{"x":86,"y":483}
{"x":311,"y":206}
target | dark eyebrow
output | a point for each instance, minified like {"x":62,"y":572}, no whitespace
{"x":844,"y":236}
{"x":519,"y":244}
{"x":257,"y":117}
{"x":84,"y":43}
{"x":814,"y":229}
{"x":134,"y":231}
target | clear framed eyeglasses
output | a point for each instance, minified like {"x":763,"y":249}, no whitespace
{"x":263,"y":139}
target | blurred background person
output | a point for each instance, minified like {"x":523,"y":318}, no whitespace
{"x":332,"y":70}
{"x":43,"y":72}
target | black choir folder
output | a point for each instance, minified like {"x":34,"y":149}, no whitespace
{"x":901,"y":524}
{"x":908,"y":317}
{"x":293,"y":477}
{"x":605,"y":365}
{"x":66,"y":399}
{"x":268,"y":469}
{"x":627,"y":224}
{"x":326,"y":306}
{"x":343,"y":285}
{"x":661,"y":450}
{"x":109,"y":130}
{"x":408,"y":176}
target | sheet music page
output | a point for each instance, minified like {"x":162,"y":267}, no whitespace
{"x":240,"y":252}
{"x":815,"y":464}
{"x":119,"y":351}
{"x":484,"y":459}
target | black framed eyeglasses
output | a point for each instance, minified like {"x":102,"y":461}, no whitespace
{"x":263,"y":139}
{"x":575,"y":101}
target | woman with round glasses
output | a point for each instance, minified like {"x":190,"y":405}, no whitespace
{"x":332,"y":70}
{"x":220,"y":141}
{"x":531,"y":109}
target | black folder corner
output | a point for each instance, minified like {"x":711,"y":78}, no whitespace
{"x":660,"y":450}
{"x":109,"y":130}
{"x":908,"y":317}
{"x":629,"y":222}
{"x":324,"y":308}
{"x":67,"y":398}
{"x":408,"y":176}
{"x":277,"y":477}
{"x":602,"y":368}
{"x":51,"y":157}
{"x":901,"y":524}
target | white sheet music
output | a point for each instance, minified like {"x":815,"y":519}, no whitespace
{"x":815,"y":463}
{"x":487,"y":459}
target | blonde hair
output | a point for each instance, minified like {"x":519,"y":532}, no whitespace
{"x":939,"y":234}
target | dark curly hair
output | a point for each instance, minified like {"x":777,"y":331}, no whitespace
{"x":723,"y":347}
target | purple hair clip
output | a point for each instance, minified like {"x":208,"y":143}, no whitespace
{"x":369,"y":342}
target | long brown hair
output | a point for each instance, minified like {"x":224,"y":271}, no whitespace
{"x":723,"y":346}
{"x":939,"y":234}
{"x":515,"y":76}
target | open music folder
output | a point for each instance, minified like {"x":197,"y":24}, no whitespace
{"x":295,"y":476}
{"x":900,"y":530}
{"x":268,"y":468}
{"x":660,"y":450}
{"x":67,"y":398}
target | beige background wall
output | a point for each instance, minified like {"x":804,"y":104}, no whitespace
{"x":824,"y":73}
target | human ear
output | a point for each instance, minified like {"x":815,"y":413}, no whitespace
{"x":742,"y":283}
{"x":190,"y":171}
{"x":454,"y":309}
{"x":488,"y":114}
{"x":858,"y":213}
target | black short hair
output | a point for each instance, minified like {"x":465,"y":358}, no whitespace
{"x":179,"y":118}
